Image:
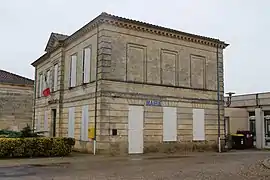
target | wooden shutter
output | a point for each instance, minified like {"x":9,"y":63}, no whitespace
{"x":48,"y":76}
{"x":169,"y":124}
{"x":40,"y":85}
{"x":38,"y":123}
{"x":46,"y":122}
{"x":73,"y":71}
{"x":198,"y":125}
{"x":55,"y":77}
{"x":86,"y":65}
{"x":84,"y":123}
{"x":71,"y":121}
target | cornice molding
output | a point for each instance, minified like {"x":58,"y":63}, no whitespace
{"x":162,"y":31}
{"x":137,"y":26}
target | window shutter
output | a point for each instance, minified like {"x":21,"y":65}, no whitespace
{"x":84,"y":123}
{"x":169,"y":124}
{"x":40,"y":85}
{"x":198,"y":125}
{"x":55,"y":77}
{"x":87,"y":64}
{"x":44,"y":82}
{"x":73,"y":71}
{"x":71,"y":121}
{"x":46,"y":123}
{"x":38,"y":123}
{"x":48,"y":76}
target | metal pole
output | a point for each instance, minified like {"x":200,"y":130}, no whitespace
{"x":218,"y":101}
{"x":34,"y":103}
{"x":96,"y":89}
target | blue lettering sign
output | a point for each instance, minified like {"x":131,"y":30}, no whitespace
{"x":153,"y":103}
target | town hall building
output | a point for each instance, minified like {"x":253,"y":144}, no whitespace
{"x":131,"y":86}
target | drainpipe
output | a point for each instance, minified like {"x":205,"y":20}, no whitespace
{"x":96,"y":89}
{"x":218,"y":101}
{"x":34,"y":104}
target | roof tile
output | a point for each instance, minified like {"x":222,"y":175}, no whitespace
{"x":10,"y":78}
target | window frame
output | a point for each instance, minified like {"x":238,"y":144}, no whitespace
{"x":84,"y":63}
{"x":70,"y":70}
{"x":55,"y":78}
{"x":40,"y":83}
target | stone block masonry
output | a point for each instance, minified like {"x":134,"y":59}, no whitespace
{"x":137,"y":62}
{"x":16,"y":106}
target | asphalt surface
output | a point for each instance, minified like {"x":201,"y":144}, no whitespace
{"x":232,"y":166}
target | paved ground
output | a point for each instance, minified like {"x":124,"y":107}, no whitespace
{"x":233,"y":166}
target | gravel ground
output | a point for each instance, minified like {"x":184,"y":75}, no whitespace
{"x":233,"y":166}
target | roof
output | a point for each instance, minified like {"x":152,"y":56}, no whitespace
{"x":55,"y":37}
{"x":10,"y":78}
{"x":157,"y":27}
{"x":143,"y":26}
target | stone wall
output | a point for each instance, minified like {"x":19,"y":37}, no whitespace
{"x":114,"y":115}
{"x":147,"y":58}
{"x":16,"y":106}
{"x":135,"y":66}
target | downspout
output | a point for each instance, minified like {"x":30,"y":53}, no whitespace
{"x":96,"y":89}
{"x":218,"y":101}
{"x":34,"y":104}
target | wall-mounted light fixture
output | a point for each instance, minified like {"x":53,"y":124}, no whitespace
{"x":229,"y":98}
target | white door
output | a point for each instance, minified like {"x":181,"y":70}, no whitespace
{"x":169,"y":124}
{"x":135,"y":129}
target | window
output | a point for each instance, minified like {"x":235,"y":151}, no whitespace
{"x":84,"y":123}
{"x":40,"y":85}
{"x":198,"y":125}
{"x":37,"y":124}
{"x":251,"y":113}
{"x":46,"y":123}
{"x":55,"y":77}
{"x":86,"y":65}
{"x":73,"y":62}
{"x":252,"y":126}
{"x":71,"y":121}
{"x":47,"y":79}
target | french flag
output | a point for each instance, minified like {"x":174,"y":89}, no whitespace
{"x":47,"y":91}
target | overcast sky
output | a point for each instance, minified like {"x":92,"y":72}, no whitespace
{"x":244,"y":24}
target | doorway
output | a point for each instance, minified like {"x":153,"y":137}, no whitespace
{"x":135,"y":129}
{"x":53,"y":123}
{"x":227,"y":125}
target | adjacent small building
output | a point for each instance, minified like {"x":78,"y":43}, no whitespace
{"x":16,"y":101}
{"x":131,"y":86}
{"x":251,"y":112}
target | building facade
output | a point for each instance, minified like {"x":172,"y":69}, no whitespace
{"x":136,"y":85}
{"x":16,"y":101}
{"x":252,"y":112}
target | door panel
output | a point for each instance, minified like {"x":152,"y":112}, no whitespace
{"x":135,"y":129}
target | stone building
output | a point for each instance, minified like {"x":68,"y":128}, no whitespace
{"x":251,"y":112}
{"x":16,"y":101}
{"x":154,"y":85}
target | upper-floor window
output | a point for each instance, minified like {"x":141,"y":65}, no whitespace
{"x":86,"y":65}
{"x":47,"y":79}
{"x":72,"y":75}
{"x":55,"y":78}
{"x":40,"y":84}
